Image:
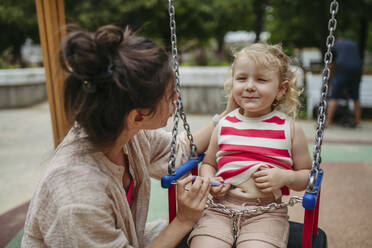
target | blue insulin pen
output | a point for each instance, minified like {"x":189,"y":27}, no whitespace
{"x":213,"y":182}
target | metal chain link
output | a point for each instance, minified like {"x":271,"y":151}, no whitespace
{"x":332,"y":23}
{"x":179,"y":110}
{"x":235,"y":214}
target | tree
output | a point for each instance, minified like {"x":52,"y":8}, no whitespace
{"x":298,"y":24}
{"x":150,"y":17}
{"x":147,"y":16}
{"x":17,"y":22}
{"x":233,"y":15}
{"x":197,"y":21}
{"x":355,"y":24}
{"x":259,"y":7}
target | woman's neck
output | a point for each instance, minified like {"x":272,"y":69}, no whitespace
{"x":115,"y":153}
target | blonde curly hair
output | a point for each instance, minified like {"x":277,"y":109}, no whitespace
{"x":272,"y":56}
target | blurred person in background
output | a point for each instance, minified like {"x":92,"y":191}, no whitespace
{"x":346,"y":73}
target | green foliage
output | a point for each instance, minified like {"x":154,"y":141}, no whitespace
{"x":17,"y":22}
{"x":201,"y":25}
{"x":198,"y":22}
{"x":296,"y":23}
{"x":302,"y":24}
{"x":145,"y":15}
{"x":6,"y":65}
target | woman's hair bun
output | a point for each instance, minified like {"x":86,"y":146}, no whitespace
{"x":108,"y":38}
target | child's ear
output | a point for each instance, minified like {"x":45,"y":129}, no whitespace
{"x":283,"y":88}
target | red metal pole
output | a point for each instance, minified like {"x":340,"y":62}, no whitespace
{"x":307,"y":232}
{"x":194,"y":171}
{"x":316,"y":215}
{"x":172,"y":202}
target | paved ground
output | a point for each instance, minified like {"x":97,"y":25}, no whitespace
{"x":26,"y":144}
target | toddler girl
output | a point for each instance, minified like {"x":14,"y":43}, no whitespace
{"x":257,"y":150}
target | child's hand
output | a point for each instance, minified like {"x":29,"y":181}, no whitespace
{"x":219,"y":191}
{"x":269,"y":180}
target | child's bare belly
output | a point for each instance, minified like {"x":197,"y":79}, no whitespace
{"x":248,"y":189}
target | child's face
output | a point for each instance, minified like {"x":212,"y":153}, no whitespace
{"x":255,"y":87}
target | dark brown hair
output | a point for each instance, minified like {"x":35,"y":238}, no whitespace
{"x":110,"y":72}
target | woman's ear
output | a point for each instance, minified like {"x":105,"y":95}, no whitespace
{"x":135,"y":119}
{"x":283,"y":88}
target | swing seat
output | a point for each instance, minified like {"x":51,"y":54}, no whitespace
{"x":319,"y":240}
{"x":294,"y":239}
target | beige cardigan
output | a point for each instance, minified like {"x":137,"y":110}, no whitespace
{"x":80,"y":201}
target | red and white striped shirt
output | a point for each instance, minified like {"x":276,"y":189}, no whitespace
{"x":245,"y":144}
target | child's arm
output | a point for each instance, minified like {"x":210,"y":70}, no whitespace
{"x":209,"y":166}
{"x":269,"y":180}
{"x":301,"y":159}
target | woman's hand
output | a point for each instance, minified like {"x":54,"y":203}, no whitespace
{"x":219,"y":191}
{"x":269,"y":180}
{"x":231,"y":104}
{"x":191,"y":202}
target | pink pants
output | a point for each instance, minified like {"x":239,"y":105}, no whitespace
{"x":271,"y":228}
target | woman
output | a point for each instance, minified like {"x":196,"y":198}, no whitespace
{"x":95,"y":192}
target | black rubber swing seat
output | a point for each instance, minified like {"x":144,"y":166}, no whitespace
{"x":294,"y":239}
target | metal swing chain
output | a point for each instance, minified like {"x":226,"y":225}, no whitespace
{"x":179,"y":110}
{"x":332,"y":23}
{"x":235,"y":214}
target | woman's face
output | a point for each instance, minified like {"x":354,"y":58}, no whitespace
{"x":165,"y":108}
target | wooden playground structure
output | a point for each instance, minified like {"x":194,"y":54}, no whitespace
{"x":52,"y":28}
